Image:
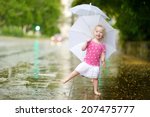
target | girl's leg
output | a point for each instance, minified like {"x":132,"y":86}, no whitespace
{"x":71,"y":75}
{"x":95,"y":85}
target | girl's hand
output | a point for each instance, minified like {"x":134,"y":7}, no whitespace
{"x":103,"y":64}
{"x":88,"y":41}
{"x":85,"y":45}
{"x":105,"y":69}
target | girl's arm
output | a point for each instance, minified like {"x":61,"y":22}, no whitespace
{"x":103,"y":60}
{"x":85,"y":46}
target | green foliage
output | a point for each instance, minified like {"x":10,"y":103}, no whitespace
{"x":28,"y":13}
{"x":132,"y":16}
{"x":12,"y":30}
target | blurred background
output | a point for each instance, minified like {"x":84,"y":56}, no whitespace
{"x":34,"y":53}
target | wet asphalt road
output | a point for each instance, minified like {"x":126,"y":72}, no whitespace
{"x":125,"y":78}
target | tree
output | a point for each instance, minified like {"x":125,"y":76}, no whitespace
{"x":28,"y":13}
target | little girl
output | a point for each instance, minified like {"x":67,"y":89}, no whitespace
{"x":95,"y":52}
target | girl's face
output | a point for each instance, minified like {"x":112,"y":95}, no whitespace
{"x":99,"y":32}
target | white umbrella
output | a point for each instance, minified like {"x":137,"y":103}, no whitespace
{"x":82,"y":30}
{"x":87,"y":9}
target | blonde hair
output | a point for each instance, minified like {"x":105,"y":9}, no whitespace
{"x":99,"y":25}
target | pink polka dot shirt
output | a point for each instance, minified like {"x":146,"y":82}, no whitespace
{"x":93,"y":53}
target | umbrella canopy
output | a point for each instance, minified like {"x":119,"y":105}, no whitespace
{"x":87,"y":9}
{"x":82,"y":30}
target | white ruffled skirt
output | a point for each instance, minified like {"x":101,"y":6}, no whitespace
{"x":87,"y":70}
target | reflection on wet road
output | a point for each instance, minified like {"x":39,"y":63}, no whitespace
{"x":126,"y":78}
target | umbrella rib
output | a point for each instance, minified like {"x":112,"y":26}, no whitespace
{"x":81,"y":33}
{"x":86,"y":24}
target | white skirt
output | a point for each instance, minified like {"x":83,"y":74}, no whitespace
{"x":87,"y":70}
